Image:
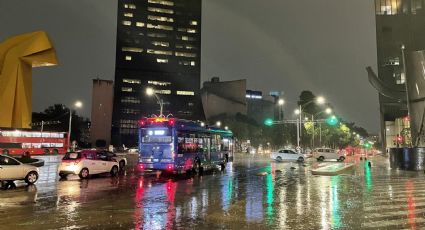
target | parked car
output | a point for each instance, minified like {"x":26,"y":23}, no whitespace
{"x":11,"y":169}
{"x":287,"y":154}
{"x":87,"y":162}
{"x":322,"y":154}
{"x":122,"y":160}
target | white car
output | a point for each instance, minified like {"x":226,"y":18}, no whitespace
{"x":287,"y":154}
{"x":322,"y":154}
{"x":12,"y":169}
{"x":87,"y":162}
{"x":122,"y":160}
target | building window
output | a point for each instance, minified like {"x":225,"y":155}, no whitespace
{"x":186,"y":93}
{"x":129,"y":6}
{"x":157,"y":35}
{"x":159,"y":52}
{"x":126,"y":23}
{"x":160,"y":60}
{"x":163,"y":44}
{"x":160,"y":83}
{"x":131,"y":81}
{"x":183,"y":54}
{"x":184,"y":63}
{"x":193,"y":23}
{"x":186,"y":38}
{"x":192,"y":63}
{"x":130,"y":111}
{"x":140,"y":24}
{"x":128,"y":58}
{"x":132,"y":49}
{"x":159,"y":27}
{"x":160,"y":10}
{"x":160,"y":18}
{"x":130,"y":100}
{"x":162,"y":2}
{"x":130,"y":15}
{"x":400,"y":78}
{"x":188,"y":30}
{"x":126,"y":89}
{"x":392,"y":61}
{"x":162,"y":91}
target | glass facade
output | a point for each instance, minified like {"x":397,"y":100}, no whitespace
{"x":158,"y":46}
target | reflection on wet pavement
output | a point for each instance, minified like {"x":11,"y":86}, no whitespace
{"x":286,"y":197}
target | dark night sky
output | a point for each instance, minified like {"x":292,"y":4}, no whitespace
{"x":284,"y":45}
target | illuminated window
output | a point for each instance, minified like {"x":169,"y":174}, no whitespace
{"x":186,"y":93}
{"x":157,"y":35}
{"x":188,"y":30}
{"x":193,"y":23}
{"x":179,"y":46}
{"x":131,"y":81}
{"x":183,"y":54}
{"x":162,"y":2}
{"x":160,"y":18}
{"x":184,"y":62}
{"x":130,"y":111}
{"x":162,"y":91}
{"x":132,"y":49}
{"x":186,"y":38}
{"x":129,"y":6}
{"x":130,"y":15}
{"x":159,"y":27}
{"x":159,"y":52}
{"x":159,"y":60}
{"x":192,"y":63}
{"x":126,"y":23}
{"x":130,"y":100}
{"x":160,"y":10}
{"x":126,"y":89}
{"x":163,"y":44}
{"x":190,"y":47}
{"x":160,"y":83}
{"x":128,"y":58}
{"x":140,"y":24}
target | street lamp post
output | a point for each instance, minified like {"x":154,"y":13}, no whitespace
{"x":77,"y":105}
{"x":151,"y":92}
{"x":319,"y":100}
{"x":281,"y":102}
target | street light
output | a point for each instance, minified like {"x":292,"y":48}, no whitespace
{"x":328,"y":111}
{"x":297,"y":111}
{"x":281,"y":102}
{"x":150,"y":92}
{"x":319,"y":100}
{"x":226,"y":128}
{"x":218,"y":123}
{"x":77,"y":105}
{"x":202,"y":124}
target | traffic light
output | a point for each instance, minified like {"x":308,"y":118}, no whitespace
{"x":332,"y":120}
{"x":268,"y":122}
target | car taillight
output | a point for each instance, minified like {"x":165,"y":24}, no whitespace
{"x":141,"y":166}
{"x":170,"y":167}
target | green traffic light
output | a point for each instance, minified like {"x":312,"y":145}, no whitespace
{"x":332,"y":120}
{"x":268,"y":122}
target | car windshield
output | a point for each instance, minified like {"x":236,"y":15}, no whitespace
{"x":71,"y":156}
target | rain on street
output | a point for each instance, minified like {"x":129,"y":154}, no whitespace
{"x":288,"y":196}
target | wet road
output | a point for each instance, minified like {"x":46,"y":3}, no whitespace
{"x":376,"y":198}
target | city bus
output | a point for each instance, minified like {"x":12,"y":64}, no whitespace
{"x":182,"y":146}
{"x":17,"y":142}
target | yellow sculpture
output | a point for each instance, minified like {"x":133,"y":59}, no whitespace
{"x":18,"y":55}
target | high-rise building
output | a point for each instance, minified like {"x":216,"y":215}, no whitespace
{"x":158,"y":46}
{"x":101,"y":112}
{"x":399,"y":23}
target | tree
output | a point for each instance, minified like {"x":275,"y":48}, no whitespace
{"x":59,"y":112}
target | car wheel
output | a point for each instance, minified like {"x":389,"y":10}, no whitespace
{"x":84,"y":173}
{"x":122,"y":165}
{"x":63,"y":175}
{"x":279,"y":158}
{"x":114,"y":170}
{"x":321,"y":158}
{"x":31,"y":177}
{"x":300,"y":159}
{"x":341,"y":159}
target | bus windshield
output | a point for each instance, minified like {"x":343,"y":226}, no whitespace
{"x":156,"y":135}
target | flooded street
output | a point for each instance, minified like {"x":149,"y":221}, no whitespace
{"x":287,"y":197}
